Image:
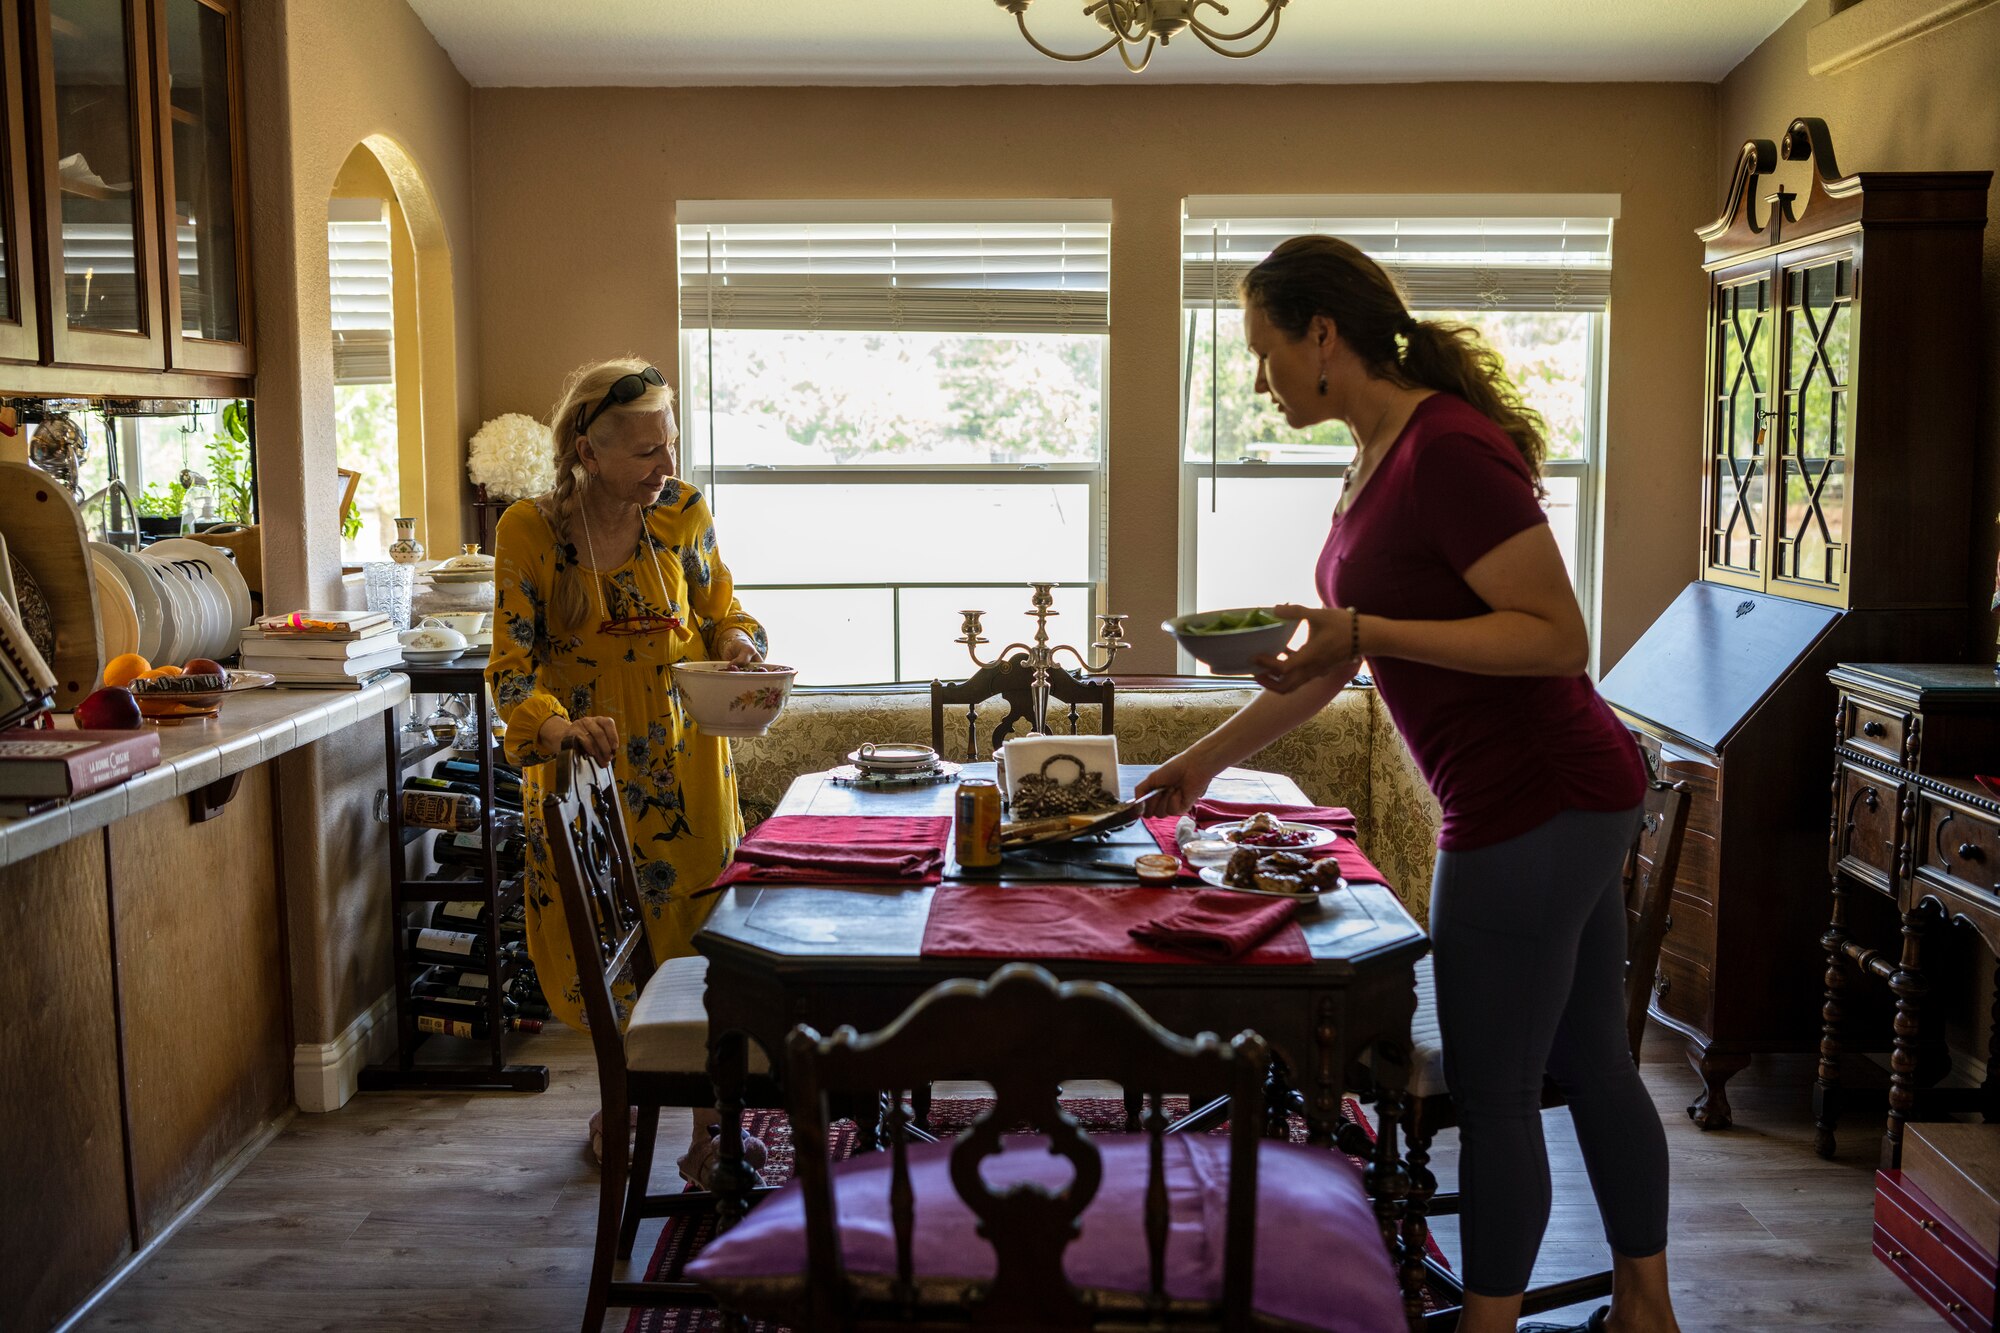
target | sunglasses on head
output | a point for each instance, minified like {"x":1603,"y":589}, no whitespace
{"x":623,"y":390}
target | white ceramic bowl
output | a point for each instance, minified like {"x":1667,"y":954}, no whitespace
{"x":1229,"y":652}
{"x":432,"y":639}
{"x":733,"y":701}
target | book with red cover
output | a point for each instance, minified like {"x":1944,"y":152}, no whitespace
{"x":72,"y":763}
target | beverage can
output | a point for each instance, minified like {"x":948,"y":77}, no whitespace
{"x":977,"y":823}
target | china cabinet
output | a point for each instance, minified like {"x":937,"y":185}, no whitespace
{"x":1836,"y":524}
{"x":123,"y":217}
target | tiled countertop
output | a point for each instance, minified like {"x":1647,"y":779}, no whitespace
{"x":253,"y":728}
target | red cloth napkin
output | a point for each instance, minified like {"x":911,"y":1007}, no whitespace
{"x":1217,"y":925}
{"x":1354,"y":867}
{"x":1044,"y":921}
{"x":841,"y":849}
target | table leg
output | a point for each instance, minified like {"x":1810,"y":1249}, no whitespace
{"x":1911,"y":988}
{"x":1388,"y":1180}
{"x":728,"y":1067}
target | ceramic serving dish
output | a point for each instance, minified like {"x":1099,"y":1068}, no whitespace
{"x":732,"y":701}
{"x":1227,"y":646}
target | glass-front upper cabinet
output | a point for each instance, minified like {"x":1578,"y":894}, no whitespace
{"x":202,"y":175}
{"x":1734,"y":499}
{"x":96,"y":167}
{"x":19,"y":326}
{"x":1815,"y":425}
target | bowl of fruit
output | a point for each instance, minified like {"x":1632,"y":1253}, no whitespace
{"x":174,"y":693}
{"x":1227,"y":641}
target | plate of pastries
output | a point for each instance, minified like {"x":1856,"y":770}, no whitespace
{"x":1278,"y":874}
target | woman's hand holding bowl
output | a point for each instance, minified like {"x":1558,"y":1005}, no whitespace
{"x":736,"y":648}
{"x":1328,"y":649}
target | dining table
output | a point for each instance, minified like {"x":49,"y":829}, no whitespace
{"x":824,"y":955}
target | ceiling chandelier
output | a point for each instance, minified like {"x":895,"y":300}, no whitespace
{"x":1132,"y":23}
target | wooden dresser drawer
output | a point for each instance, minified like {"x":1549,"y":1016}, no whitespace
{"x":1878,"y":729}
{"x":1958,"y":843}
{"x":1690,"y":929}
{"x":1867,"y":829}
{"x":1683,"y":989}
{"x":1932,"y":1256}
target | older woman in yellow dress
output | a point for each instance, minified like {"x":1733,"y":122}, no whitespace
{"x":601,"y":586}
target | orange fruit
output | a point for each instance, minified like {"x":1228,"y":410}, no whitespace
{"x":125,"y":668}
{"x":160,"y":673}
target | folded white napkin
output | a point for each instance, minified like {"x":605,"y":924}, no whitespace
{"x":1059,"y":763}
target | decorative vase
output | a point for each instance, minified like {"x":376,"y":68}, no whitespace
{"x":406,"y":549}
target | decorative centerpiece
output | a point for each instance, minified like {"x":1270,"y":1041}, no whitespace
{"x":1041,"y":654}
{"x":513,"y":456}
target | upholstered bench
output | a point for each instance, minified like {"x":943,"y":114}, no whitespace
{"x":1349,"y":755}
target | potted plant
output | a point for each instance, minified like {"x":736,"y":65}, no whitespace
{"x":160,"y":510}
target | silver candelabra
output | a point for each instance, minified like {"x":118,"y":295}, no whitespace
{"x":1041,"y":654}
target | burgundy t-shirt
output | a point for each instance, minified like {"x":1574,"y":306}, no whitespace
{"x":1503,"y":753}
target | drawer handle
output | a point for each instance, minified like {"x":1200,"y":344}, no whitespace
{"x":1873,"y":729}
{"x":1660,"y":985}
{"x":1670,"y":921}
{"x":1967,"y":852}
{"x":1955,"y":1307}
{"x":1896,"y":1255}
{"x":1927,"y":1224}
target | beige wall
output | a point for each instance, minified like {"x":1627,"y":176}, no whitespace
{"x":575,"y":257}
{"x":320,"y":78}
{"x":1926,"y":105}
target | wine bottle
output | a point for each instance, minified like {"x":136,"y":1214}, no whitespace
{"x":450,"y":948}
{"x":500,"y":797}
{"x":468,"y":849}
{"x":506,"y":781}
{"x":474,"y":1026}
{"x":462,"y":914}
{"x":462,"y":980}
{"x":440,"y":810}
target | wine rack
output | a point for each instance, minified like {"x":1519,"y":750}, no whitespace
{"x":405,"y":1070}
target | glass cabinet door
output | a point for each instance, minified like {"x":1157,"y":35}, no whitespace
{"x":1738,"y":434}
{"x":19,"y":326}
{"x":96,"y":167}
{"x":1815,"y":416}
{"x":202,"y":172}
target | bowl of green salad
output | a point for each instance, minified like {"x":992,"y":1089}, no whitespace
{"x":1227,"y":640}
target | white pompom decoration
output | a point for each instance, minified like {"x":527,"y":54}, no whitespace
{"x":513,"y":457}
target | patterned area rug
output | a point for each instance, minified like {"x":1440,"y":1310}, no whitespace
{"x":682,"y":1238}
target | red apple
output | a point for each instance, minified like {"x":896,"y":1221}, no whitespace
{"x":202,"y":666}
{"x":109,"y":709}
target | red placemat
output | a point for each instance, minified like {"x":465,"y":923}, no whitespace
{"x":1354,"y":867}
{"x":841,"y":849}
{"x":1071,"y":921}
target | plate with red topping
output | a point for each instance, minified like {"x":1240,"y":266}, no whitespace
{"x":1266,"y":832}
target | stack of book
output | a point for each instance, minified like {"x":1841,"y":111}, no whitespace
{"x":322,"y":649}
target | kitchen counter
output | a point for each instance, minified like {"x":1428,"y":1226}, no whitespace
{"x":253,"y":727}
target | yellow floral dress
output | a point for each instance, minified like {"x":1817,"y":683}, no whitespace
{"x":678,"y":784}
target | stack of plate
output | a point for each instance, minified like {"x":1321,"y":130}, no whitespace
{"x":185,"y":599}
{"x":898,"y":763}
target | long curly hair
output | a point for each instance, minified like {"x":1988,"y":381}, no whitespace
{"x":1324,"y":275}
{"x":581,"y":393}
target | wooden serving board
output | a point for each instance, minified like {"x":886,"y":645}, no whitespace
{"x":44,"y":531}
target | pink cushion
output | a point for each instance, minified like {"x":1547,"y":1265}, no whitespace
{"x":1320,"y":1259}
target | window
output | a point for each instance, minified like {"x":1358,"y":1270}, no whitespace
{"x":364,"y":389}
{"x":867,"y":384}
{"x":1256,"y":496}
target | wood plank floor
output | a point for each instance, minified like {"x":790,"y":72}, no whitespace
{"x":440,"y":1213}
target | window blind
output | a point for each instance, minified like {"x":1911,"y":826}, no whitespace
{"x":357,"y":244}
{"x":978,"y":267}
{"x":1441,"y":263}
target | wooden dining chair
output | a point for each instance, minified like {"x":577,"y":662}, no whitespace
{"x":1013,"y":681}
{"x":1027,"y":1222}
{"x":1650,"y":868}
{"x":659,"y":1057}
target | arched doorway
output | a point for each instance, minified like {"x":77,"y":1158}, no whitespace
{"x":394,"y":335}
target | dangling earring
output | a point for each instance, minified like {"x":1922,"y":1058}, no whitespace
{"x":1322,"y":384}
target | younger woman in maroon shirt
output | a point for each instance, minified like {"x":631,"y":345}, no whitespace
{"x":1441,"y":570}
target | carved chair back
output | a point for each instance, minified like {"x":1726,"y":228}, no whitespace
{"x":1024,"y":1033}
{"x":591,"y":846}
{"x":1649,"y":881}
{"x":1013,"y":681}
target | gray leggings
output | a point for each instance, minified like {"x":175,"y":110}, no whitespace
{"x":1529,"y":944}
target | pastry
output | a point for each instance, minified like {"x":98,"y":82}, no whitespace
{"x":1242,"y":869}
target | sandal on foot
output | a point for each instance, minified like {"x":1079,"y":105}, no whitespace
{"x":698,"y":1167}
{"x":1594,"y":1324}
{"x":597,"y":1134}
